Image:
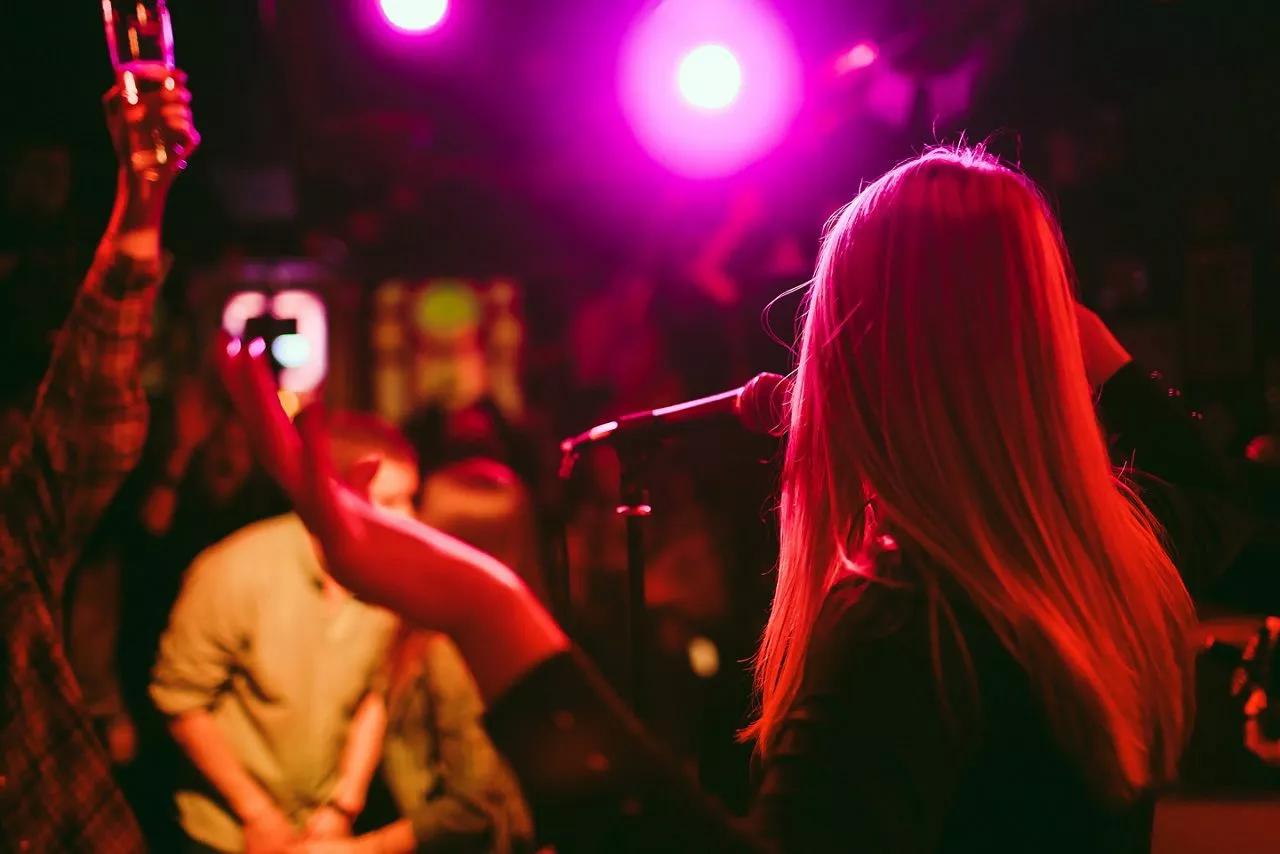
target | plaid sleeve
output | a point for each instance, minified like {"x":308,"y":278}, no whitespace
{"x":90,"y":420}
{"x":56,"y":786}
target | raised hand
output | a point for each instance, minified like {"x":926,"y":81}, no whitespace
{"x":430,"y":578}
{"x":152,"y":104}
{"x":274,"y":439}
{"x":149,"y":106}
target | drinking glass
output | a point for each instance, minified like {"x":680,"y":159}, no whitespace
{"x":140,"y":43}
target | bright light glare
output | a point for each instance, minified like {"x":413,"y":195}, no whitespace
{"x":414,"y":16}
{"x":291,"y":351}
{"x":709,"y":86}
{"x":709,"y":77}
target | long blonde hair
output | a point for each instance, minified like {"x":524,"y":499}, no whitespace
{"x":940,"y":398}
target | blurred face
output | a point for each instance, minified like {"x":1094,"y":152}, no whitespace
{"x":393,"y":487}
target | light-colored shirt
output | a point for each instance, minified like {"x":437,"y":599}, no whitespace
{"x":444,"y":773}
{"x":253,"y":640}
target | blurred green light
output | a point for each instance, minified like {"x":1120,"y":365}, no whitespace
{"x":447,"y":308}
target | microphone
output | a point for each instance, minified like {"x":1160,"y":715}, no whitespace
{"x":759,"y":406}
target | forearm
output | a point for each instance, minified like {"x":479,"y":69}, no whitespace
{"x":450,"y":823}
{"x":1204,"y":511}
{"x":506,"y":634}
{"x":592,"y":773}
{"x":199,"y":737}
{"x":90,"y":420}
{"x":136,"y":218}
{"x":360,"y":755}
{"x":1151,"y":430}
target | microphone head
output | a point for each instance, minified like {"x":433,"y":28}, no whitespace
{"x":762,"y":404}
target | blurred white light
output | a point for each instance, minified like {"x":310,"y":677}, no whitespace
{"x":308,"y":310}
{"x":291,"y":351}
{"x":239,"y":308}
{"x":709,"y":77}
{"x":414,"y":16}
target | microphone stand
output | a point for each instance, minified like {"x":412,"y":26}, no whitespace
{"x":634,"y":457}
{"x":756,"y":405}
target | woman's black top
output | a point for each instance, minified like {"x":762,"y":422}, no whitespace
{"x":870,"y":758}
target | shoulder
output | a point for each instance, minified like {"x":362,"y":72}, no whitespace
{"x":861,"y":620}
{"x":891,"y":647}
{"x":278,"y":532}
{"x":238,"y":558}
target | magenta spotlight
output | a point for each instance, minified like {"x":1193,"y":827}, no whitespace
{"x":414,"y":16}
{"x":709,"y":86}
{"x":709,"y":77}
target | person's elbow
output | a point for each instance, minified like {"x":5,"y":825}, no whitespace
{"x":452,"y":824}
{"x":181,"y":704}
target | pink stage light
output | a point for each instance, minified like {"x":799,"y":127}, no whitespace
{"x":414,"y":16}
{"x":709,"y":86}
{"x":709,"y":77}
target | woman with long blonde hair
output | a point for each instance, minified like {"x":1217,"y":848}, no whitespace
{"x":949,"y":506}
{"x":979,"y":639}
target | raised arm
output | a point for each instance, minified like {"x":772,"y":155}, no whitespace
{"x":90,"y":418}
{"x":1184,"y":483}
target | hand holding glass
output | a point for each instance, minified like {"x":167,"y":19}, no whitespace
{"x":140,"y":43}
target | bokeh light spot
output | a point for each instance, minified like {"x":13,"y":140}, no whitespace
{"x":859,"y":56}
{"x":448,"y":308}
{"x":414,"y":16}
{"x":704,"y":658}
{"x":709,"y":86}
{"x":709,"y":77}
{"x":291,"y":351}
